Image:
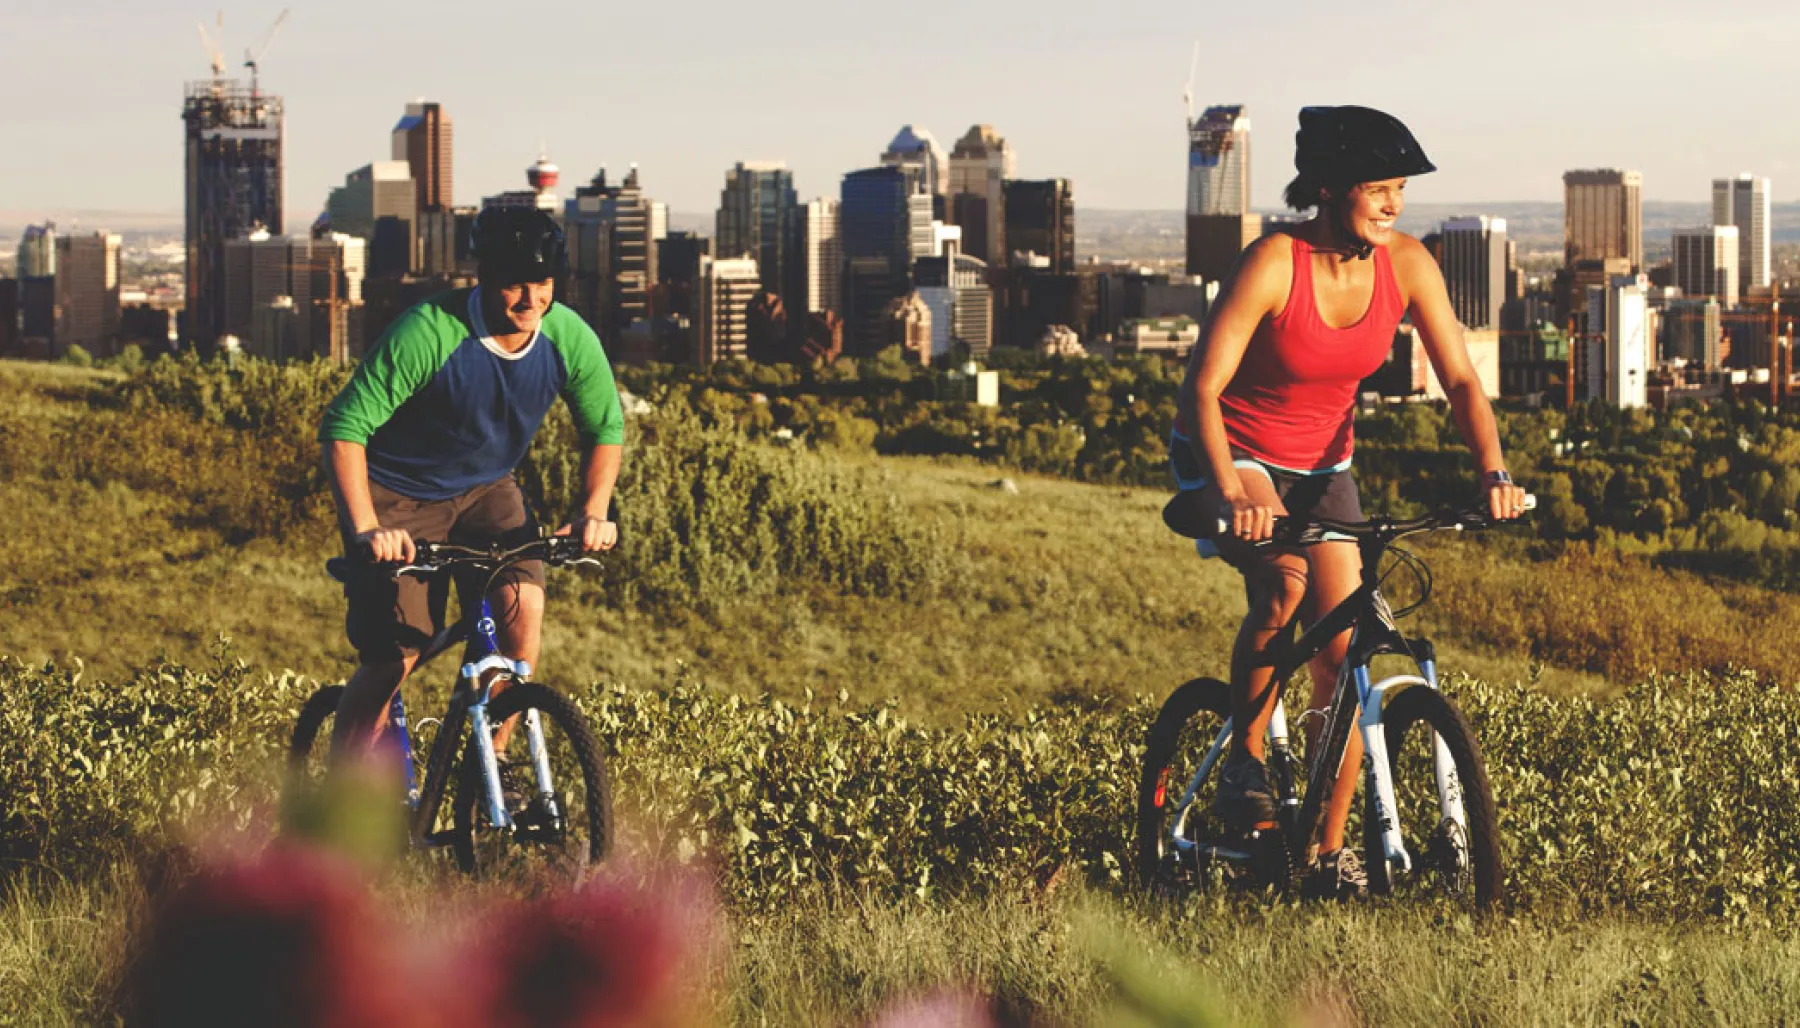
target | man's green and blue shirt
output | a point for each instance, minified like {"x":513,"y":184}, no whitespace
{"x":442,"y":408}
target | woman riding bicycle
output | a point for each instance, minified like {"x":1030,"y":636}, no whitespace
{"x":1266,"y":414}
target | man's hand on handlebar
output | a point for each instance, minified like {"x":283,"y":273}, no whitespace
{"x":387,"y":545}
{"x":596,"y":533}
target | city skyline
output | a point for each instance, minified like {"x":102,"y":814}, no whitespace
{"x":1107,"y":114}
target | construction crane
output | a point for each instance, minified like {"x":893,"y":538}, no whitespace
{"x":253,"y":55}
{"x":214,"y":45}
{"x":1187,"y":95}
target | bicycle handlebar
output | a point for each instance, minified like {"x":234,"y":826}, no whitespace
{"x":436,"y":558}
{"x":1311,"y":531}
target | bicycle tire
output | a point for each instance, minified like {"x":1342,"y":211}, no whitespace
{"x":1161,"y":745}
{"x":323,"y":703}
{"x":596,"y":814}
{"x":1412,"y":706}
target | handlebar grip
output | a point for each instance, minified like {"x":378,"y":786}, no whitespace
{"x":1530,"y":502}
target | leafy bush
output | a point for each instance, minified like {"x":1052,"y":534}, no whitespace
{"x":1680,"y":799}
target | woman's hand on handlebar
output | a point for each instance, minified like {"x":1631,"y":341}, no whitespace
{"x":1505,"y":500}
{"x":1251,"y":520}
{"x":595,"y":533}
{"x":387,"y":545}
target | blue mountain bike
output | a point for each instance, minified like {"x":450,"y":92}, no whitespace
{"x":1429,"y":819}
{"x":531,"y":798}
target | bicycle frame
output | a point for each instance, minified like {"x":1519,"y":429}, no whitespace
{"x":1366,"y":614}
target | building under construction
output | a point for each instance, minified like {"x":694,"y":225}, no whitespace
{"x":234,"y":188}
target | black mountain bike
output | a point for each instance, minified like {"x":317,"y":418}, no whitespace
{"x":1428,"y":813}
{"x":532,"y":798}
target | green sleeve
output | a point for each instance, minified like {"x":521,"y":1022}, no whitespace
{"x":592,"y":396}
{"x":407,"y":355}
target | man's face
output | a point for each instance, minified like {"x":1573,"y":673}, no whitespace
{"x":524,"y":304}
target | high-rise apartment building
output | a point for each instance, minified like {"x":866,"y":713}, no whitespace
{"x":727,"y":287}
{"x":980,"y":166}
{"x":234,"y":186}
{"x":1744,"y":202}
{"x":1603,"y":216}
{"x":1040,"y":219}
{"x":823,"y":252}
{"x":423,"y":140}
{"x":1692,"y":330}
{"x":1706,"y":263}
{"x":87,"y":292}
{"x":759,"y":216}
{"x":917,"y":151}
{"x":612,"y":253}
{"x":1621,"y":341}
{"x":379,"y":202}
{"x":1475,"y":266}
{"x":37,"y":251}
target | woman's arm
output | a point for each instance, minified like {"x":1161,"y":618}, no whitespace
{"x":1441,"y":334}
{"x":1258,"y":289}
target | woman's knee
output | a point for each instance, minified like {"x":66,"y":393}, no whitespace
{"x":1276,"y":592}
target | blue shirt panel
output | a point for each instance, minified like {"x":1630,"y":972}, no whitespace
{"x":470,"y":424}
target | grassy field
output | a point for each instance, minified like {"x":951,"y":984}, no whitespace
{"x":1063,"y":596}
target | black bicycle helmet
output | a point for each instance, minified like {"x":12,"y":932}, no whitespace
{"x":1347,"y":145}
{"x":517,"y":244}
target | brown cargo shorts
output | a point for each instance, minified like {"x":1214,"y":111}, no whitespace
{"x":394,"y":618}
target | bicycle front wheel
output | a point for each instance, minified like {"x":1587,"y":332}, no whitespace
{"x":560,"y":824}
{"x":1448,"y":825}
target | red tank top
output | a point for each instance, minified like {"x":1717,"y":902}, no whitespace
{"x":1292,"y":403}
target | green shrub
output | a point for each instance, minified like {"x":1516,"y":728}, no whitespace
{"x":1679,"y":799}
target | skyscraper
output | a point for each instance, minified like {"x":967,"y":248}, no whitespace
{"x":234,"y":186}
{"x":1475,"y":265}
{"x":9,"y":319}
{"x":1219,"y":162}
{"x":918,"y":151}
{"x":980,"y":166}
{"x":824,"y":257}
{"x":290,"y":298}
{"x":37,"y":251}
{"x":1603,"y":216}
{"x":423,"y":140}
{"x":1219,"y":222}
{"x":87,"y":292}
{"x":1040,"y":219}
{"x":881,"y":221}
{"x":954,"y":287}
{"x":1744,"y":202}
{"x":727,"y":286}
{"x":1706,"y":263}
{"x":759,"y":217}
{"x":379,"y":202}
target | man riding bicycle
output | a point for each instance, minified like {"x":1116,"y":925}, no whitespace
{"x":1264,"y":427}
{"x":422,"y":441}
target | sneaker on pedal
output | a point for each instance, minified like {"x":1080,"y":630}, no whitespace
{"x":1338,"y":875}
{"x":1245,"y":799}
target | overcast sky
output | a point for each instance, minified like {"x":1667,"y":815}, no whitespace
{"x":1503,"y":96}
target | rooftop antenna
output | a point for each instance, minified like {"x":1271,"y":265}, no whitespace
{"x":214,"y":47}
{"x":252,"y":56}
{"x":1187,"y":95}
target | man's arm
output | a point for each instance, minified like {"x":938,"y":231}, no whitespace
{"x":347,"y":468}
{"x":599,"y":472}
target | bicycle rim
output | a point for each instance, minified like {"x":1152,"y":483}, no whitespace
{"x":1174,"y":751}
